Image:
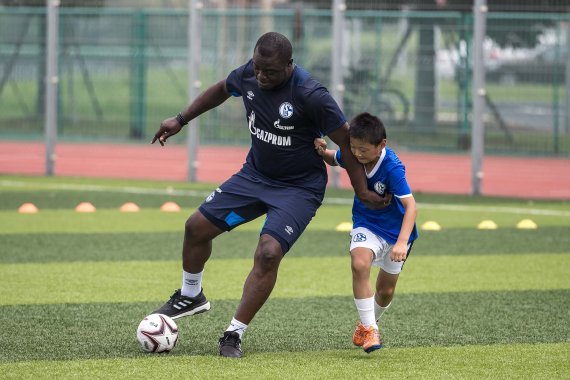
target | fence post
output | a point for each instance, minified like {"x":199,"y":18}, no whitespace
{"x":556,"y":97}
{"x":339,"y":9}
{"x":567,"y":78}
{"x":52,"y":83}
{"x":478,"y":128}
{"x":138,"y":76}
{"x":194,"y":84}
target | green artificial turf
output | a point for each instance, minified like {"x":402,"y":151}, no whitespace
{"x":81,"y":282}
{"x":469,"y":304}
{"x":107,"y":330}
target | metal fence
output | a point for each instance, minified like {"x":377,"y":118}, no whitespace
{"x":122,"y":70}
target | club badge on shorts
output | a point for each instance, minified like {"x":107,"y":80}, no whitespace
{"x":359,"y":237}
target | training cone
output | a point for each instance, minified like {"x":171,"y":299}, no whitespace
{"x":28,"y":208}
{"x":431,"y":226}
{"x":170,"y":207}
{"x":85,"y":207}
{"x":487,"y":225}
{"x":344,"y":227}
{"x":130,"y":207}
{"x":527,"y":224}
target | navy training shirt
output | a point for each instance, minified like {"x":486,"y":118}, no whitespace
{"x":283,"y":123}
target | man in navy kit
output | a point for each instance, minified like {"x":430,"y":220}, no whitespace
{"x":282,"y":177}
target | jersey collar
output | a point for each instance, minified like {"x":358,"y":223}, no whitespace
{"x":377,"y":166}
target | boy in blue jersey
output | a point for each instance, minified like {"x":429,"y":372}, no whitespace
{"x":382,"y":238}
{"x":283,"y":177}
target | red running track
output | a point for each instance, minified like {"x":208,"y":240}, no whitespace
{"x":532,"y":178}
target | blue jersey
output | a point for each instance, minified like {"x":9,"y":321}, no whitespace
{"x":283,"y":123}
{"x":389,"y":175}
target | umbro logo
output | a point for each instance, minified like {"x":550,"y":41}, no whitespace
{"x":250,"y":95}
{"x":289,"y":229}
{"x":213,"y":194}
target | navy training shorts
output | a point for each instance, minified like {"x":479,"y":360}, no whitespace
{"x":244,"y":197}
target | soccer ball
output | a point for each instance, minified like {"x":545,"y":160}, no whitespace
{"x":157,"y":333}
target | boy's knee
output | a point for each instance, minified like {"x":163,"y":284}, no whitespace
{"x":360,"y":262}
{"x":387,"y":292}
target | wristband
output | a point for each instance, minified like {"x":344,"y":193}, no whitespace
{"x":181,"y":120}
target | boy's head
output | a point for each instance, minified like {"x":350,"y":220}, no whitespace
{"x":367,"y":137}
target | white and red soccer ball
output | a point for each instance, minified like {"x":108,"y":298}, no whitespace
{"x":157,"y":333}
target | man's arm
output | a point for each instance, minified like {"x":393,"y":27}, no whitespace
{"x":356,"y":171}
{"x":211,"y":98}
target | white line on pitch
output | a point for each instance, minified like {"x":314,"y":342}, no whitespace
{"x":330,"y":200}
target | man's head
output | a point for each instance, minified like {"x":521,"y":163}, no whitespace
{"x":367,"y":137}
{"x":272,"y":60}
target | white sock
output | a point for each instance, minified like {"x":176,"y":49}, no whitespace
{"x":379,"y":310}
{"x":365,"y":309}
{"x":191,"y":284}
{"x":237,"y":326}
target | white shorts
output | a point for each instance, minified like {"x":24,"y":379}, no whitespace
{"x":363,"y":237}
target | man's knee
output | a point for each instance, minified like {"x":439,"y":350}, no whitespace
{"x":198,"y":228}
{"x":268,"y":254}
{"x":192,"y":227}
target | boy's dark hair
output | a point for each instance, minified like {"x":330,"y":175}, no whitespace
{"x":367,"y":127}
{"x":274,"y":44}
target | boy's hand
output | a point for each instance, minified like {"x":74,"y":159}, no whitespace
{"x":320,"y":146}
{"x":398,"y":252}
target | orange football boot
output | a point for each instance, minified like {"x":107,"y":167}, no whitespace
{"x":366,"y":337}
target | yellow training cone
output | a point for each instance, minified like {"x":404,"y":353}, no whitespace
{"x":344,"y":227}
{"x":170,"y":207}
{"x":431,"y":226}
{"x":85,"y":207}
{"x":487,"y":225}
{"x":129,"y":207}
{"x":28,"y":208}
{"x":527,"y":224}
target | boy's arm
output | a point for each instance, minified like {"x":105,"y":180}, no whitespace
{"x":400,"y":249}
{"x":326,"y":154}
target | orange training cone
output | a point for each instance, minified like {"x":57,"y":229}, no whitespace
{"x":28,"y":208}
{"x":85,"y":207}
{"x":130,"y":207}
{"x":170,"y":207}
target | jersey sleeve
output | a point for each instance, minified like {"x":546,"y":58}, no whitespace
{"x":324,"y":111}
{"x":338,"y":159}
{"x":234,"y":80}
{"x":399,"y":186}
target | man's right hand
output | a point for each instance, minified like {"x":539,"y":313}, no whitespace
{"x":374,"y":201}
{"x":168,"y":127}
